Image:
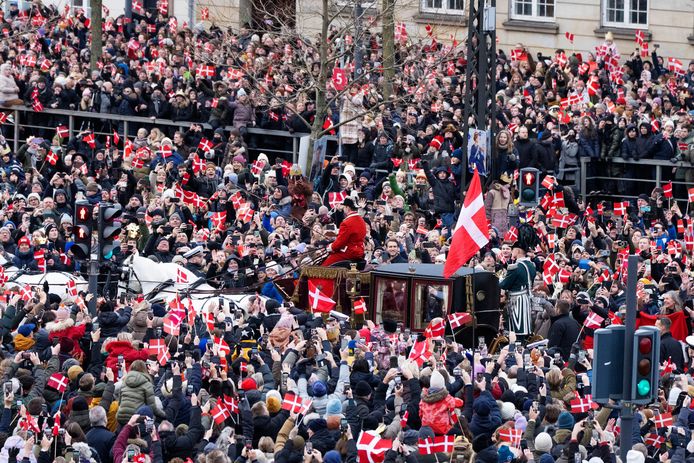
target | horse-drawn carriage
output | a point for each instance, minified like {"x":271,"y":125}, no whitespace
{"x":409,"y":296}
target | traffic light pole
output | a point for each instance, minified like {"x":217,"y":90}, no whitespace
{"x":93,"y":281}
{"x":627,"y":411}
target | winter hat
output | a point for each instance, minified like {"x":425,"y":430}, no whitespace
{"x":507,"y":411}
{"x":543,"y":442}
{"x":273,"y":400}
{"x":425,"y":432}
{"x":249,"y":384}
{"x":332,"y":456}
{"x":482,"y":408}
{"x":334,"y":407}
{"x":26,"y":329}
{"x":79,"y":404}
{"x":634,"y":456}
{"x":547,"y":458}
{"x":74,"y":372}
{"x":62,"y":314}
{"x":319,"y":389}
{"x":521,"y":421}
{"x":437,"y":382}
{"x":565,"y":420}
{"x":317,"y":424}
{"x":363,"y":389}
{"x":505,"y":454}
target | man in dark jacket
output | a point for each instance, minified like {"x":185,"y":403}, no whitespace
{"x":527,"y":156}
{"x":564,"y":330}
{"x":182,"y":446}
{"x":445,"y":193}
{"x":545,"y":153}
{"x":670,"y":348}
{"x":99,"y":437}
{"x":111,"y":322}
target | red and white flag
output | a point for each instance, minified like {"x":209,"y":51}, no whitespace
{"x":372,"y":448}
{"x":654,"y":440}
{"x":472,"y":229}
{"x":620,"y":208}
{"x":663,"y":420}
{"x":293,"y":403}
{"x":181,"y":276}
{"x":549,"y":182}
{"x":58,"y":382}
{"x":336,"y":198}
{"x":459,"y":319}
{"x":62,"y":131}
{"x":439,"y":444}
{"x":220,"y":413}
{"x":582,"y":404}
{"x":639,"y":37}
{"x":593,"y":321}
{"x":569,"y":36}
{"x":318,"y":301}
{"x":360,"y":306}
{"x":436,"y":329}
{"x":690,"y":195}
{"x":512,"y":436}
{"x":667,"y":190}
{"x":205,"y":145}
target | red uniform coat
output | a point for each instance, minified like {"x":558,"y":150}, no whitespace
{"x":349,"y":244}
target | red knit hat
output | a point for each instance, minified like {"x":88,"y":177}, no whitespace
{"x":249,"y":384}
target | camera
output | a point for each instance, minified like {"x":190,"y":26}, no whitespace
{"x":8,"y":388}
{"x":457,"y":372}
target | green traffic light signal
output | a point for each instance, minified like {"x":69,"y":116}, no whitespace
{"x":644,"y":387}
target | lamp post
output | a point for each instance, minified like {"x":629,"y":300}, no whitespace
{"x":353,"y":289}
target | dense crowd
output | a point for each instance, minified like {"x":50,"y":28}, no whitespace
{"x":270,"y":381}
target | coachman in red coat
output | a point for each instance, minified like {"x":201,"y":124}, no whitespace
{"x":349,"y":244}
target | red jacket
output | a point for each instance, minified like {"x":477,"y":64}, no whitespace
{"x":124,"y":348}
{"x":350,"y":237}
{"x":436,"y":410}
{"x":67,"y":329}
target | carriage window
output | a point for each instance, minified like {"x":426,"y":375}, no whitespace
{"x":392,"y":305}
{"x":430,"y":301}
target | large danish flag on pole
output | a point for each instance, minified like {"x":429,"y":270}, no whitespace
{"x":471,"y":231}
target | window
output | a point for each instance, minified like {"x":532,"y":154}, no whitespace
{"x":536,"y":10}
{"x":430,"y":301}
{"x":444,"y":6}
{"x":625,"y":13}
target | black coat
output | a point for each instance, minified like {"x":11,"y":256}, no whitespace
{"x":527,"y":155}
{"x":182,"y":446}
{"x":563,"y":333}
{"x":111,"y":323}
{"x":546,"y":156}
{"x":670,"y":348}
{"x":102,"y":440}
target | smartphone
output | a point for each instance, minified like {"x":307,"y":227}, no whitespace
{"x":398,"y":380}
{"x":191,"y":389}
{"x":519,"y":347}
{"x":8,"y":388}
{"x":249,"y":444}
{"x":285,"y":375}
{"x":309,"y":447}
{"x":120,"y":359}
{"x":131,"y":454}
{"x":479,"y":377}
{"x":343,"y":425}
{"x":393,"y":361}
{"x":76,"y":456}
{"x":457,"y":372}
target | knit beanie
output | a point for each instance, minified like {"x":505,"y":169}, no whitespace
{"x":543,"y":442}
{"x":273,"y":400}
{"x":334,"y":407}
{"x":437,"y":381}
{"x":565,"y":420}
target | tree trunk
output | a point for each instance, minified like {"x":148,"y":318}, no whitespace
{"x":388,"y":31}
{"x":321,"y":103}
{"x":97,"y":42}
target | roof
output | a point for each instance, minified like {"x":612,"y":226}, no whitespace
{"x":421,"y":270}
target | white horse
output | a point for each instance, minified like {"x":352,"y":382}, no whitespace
{"x":57,"y":281}
{"x":160,"y":282}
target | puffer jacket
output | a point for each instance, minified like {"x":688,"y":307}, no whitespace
{"x":124,"y":348}
{"x":138,"y":324}
{"x":137,"y":390}
{"x":67,"y":329}
{"x":435,"y":410}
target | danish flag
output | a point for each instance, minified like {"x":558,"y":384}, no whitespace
{"x":512,"y":436}
{"x":138,"y":7}
{"x":459,"y":319}
{"x":582,"y":404}
{"x":222,"y":346}
{"x":218,"y":219}
{"x":593,"y":321}
{"x":620,"y":208}
{"x":204,"y":13}
{"x":472,"y":229}
{"x":372,"y":448}
{"x":669,"y":367}
{"x":569,"y":36}
{"x":220,"y":413}
{"x":439,"y":444}
{"x":293,"y":403}
{"x":198,"y":164}
{"x":435,"y":329}
{"x":205,"y":145}
{"x":511,"y":235}
{"x":28,"y":423}
{"x":336,"y":198}
{"x":181,"y":276}
{"x":690,"y":195}
{"x":640,"y":37}
{"x":58,"y":382}
{"x":667,"y":190}
{"x":205,"y":70}
{"x":550,"y":266}
{"x":52,"y":158}
{"x":549,"y":182}
{"x":654,"y":440}
{"x":318,"y":301}
{"x":562,"y":221}
{"x":245,"y":213}
{"x":36,"y":105}
{"x":564,"y":275}
{"x":89,"y":140}
{"x":663,"y":420}
{"x":257,"y":167}
{"x":26,"y":293}
{"x":360,"y":306}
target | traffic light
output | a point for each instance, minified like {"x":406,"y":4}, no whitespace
{"x":83,"y":225}
{"x":645,"y":369}
{"x":109,"y":230}
{"x":608,"y":358}
{"x":529,"y":187}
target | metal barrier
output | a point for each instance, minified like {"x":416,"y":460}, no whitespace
{"x":20,"y":113}
{"x":649,"y":173}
